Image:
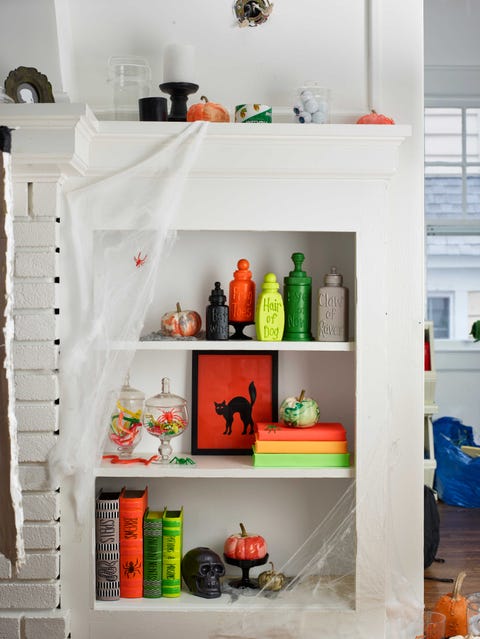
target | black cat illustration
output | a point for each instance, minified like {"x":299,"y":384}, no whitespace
{"x":239,"y":405}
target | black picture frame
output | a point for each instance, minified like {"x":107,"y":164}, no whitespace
{"x":224,"y":403}
{"x":28,"y":85}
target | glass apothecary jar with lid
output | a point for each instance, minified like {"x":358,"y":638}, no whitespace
{"x":126,"y":419}
{"x":166,"y":416}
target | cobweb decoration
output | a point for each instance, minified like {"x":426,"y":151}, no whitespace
{"x":105,"y":224}
{"x":322,"y":577}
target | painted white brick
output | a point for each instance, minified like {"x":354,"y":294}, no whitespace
{"x":44,"y":199}
{"x":41,"y":506}
{"x":5,"y":569}
{"x":51,"y":625}
{"x":9,"y":627}
{"x":36,"y":387}
{"x":34,"y":234}
{"x":29,"y":264}
{"x":35,"y":356}
{"x":41,"y":536}
{"x":40,"y":566}
{"x":36,"y":416}
{"x":33,"y":476}
{"x":36,"y":326}
{"x":20,"y":200}
{"x":34,"y":447}
{"x":20,"y":596}
{"x":34,"y":294}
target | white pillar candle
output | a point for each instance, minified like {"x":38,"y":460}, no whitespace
{"x":179,"y":63}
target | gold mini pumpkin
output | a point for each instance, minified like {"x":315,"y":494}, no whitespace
{"x":271,"y":579}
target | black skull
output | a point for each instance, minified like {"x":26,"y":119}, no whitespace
{"x":201,"y":571}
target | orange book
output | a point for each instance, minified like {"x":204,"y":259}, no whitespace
{"x":133,"y":504}
{"x":299,"y":446}
{"x":275,"y":431}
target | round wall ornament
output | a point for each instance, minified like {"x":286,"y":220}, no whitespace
{"x":26,"y":84}
{"x":251,"y":13}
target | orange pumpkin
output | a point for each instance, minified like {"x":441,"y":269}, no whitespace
{"x":206,"y":110}
{"x":181,"y":323}
{"x":375,"y":118}
{"x":245,"y":546}
{"x":454,"y":607}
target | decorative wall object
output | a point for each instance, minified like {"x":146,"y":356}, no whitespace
{"x":251,"y":13}
{"x":230,"y":392}
{"x":26,"y":84}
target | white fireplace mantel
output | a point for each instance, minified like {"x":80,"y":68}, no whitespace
{"x":53,"y":139}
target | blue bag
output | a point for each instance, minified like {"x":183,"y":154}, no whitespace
{"x":457,"y":477}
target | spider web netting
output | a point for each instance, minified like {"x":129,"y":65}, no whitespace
{"x":116,"y":231}
{"x":107,"y":224}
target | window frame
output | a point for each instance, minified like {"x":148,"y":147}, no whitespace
{"x":465,"y":225}
{"x":452,"y":227}
{"x":450,"y":296}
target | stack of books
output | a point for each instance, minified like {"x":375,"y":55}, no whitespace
{"x":138,"y":549}
{"x":321,"y":445}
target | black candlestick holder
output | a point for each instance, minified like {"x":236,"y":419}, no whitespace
{"x":238,"y":327}
{"x":178,"y":92}
{"x":245,"y":565}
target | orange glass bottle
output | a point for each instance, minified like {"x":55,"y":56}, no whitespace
{"x":241,"y":297}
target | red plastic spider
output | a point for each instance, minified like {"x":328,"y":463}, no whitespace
{"x":139,"y":260}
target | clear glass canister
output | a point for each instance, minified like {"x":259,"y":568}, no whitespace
{"x":312,"y":104}
{"x":130,"y":77}
{"x":126,"y":419}
{"x":166,"y":416}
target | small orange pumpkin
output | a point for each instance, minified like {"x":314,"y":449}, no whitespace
{"x":243,"y":545}
{"x":205,"y":110}
{"x":375,"y":118}
{"x":181,"y":323}
{"x":454,"y":607}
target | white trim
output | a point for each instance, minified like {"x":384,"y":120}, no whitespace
{"x":374,"y":62}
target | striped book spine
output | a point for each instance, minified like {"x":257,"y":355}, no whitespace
{"x":107,"y":555}
{"x":172,"y":552}
{"x":152,"y":554}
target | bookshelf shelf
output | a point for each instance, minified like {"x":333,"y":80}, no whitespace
{"x":211,"y":466}
{"x":339,"y":597}
{"x":247,"y":345}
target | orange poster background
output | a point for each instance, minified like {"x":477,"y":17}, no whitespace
{"x":221,"y":377}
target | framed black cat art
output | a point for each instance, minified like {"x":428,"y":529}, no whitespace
{"x":231,"y":391}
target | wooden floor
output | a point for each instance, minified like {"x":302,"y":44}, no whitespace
{"x":460,"y":547}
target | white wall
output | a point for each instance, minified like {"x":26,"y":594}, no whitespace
{"x":309,"y":40}
{"x":28,"y":36}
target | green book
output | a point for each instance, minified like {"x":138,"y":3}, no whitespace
{"x":172,"y":552}
{"x":304,"y":460}
{"x":152,"y":553}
